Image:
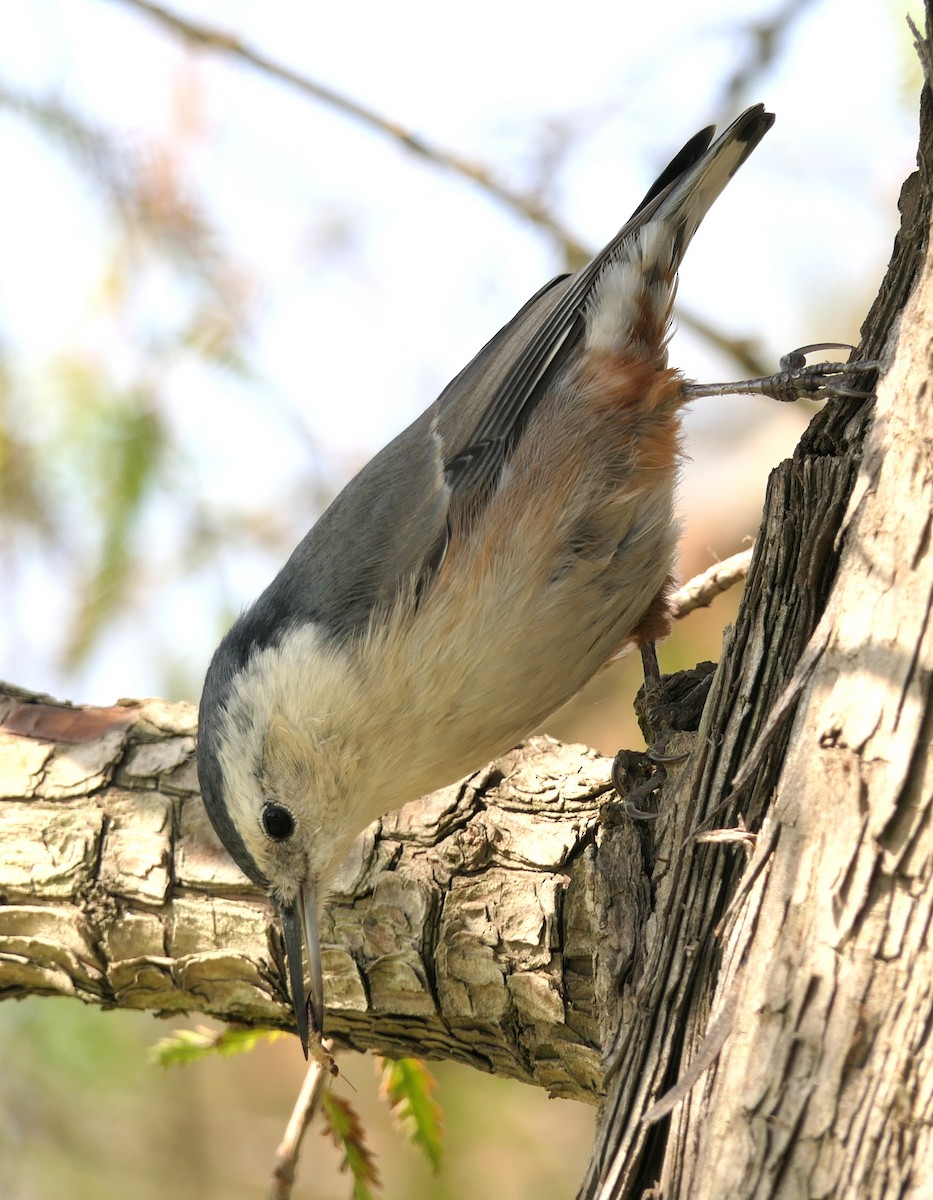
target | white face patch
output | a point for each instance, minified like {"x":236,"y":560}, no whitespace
{"x":277,"y":722}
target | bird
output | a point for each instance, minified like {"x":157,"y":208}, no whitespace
{"x":472,"y":577}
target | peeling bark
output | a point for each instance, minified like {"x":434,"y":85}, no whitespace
{"x":461,"y":927}
{"x":784,"y":1002}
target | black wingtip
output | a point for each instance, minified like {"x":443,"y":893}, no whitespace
{"x":753,"y":122}
{"x":682,"y":161}
{"x":749,"y":129}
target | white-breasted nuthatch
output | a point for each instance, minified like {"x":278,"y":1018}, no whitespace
{"x":473,"y":576}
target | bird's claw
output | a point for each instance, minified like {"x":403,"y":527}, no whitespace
{"x":825,"y":379}
{"x":631,"y":795}
{"x":796,"y":379}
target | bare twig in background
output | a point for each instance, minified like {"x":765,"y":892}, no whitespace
{"x":703,"y":589}
{"x":766,"y":36}
{"x":747,"y":352}
{"x":286,"y":1156}
{"x":526,"y":205}
{"x":227,"y":43}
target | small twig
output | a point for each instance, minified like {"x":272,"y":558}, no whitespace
{"x":320,"y":1070}
{"x":705,"y":587}
{"x":747,"y":352}
{"x":726,"y":836}
{"x":924,"y":52}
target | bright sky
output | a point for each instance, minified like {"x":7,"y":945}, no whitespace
{"x":380,"y":275}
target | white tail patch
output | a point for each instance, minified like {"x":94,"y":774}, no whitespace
{"x":642,"y":275}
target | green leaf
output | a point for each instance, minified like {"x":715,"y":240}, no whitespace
{"x":191,"y":1045}
{"x":408,"y":1085}
{"x":342,"y":1123}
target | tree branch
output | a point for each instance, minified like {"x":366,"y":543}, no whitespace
{"x":210,"y":38}
{"x":462,"y":927}
{"x":464,"y":923}
{"x":702,"y":589}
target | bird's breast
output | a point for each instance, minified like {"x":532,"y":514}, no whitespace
{"x":541,"y":588}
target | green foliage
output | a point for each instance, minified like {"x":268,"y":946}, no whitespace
{"x":342,"y":1123}
{"x":21,"y":497}
{"x":408,"y":1085}
{"x":191,"y":1045}
{"x":89,"y":448}
{"x":123,"y":444}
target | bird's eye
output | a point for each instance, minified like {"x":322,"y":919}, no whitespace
{"x":278,"y":822}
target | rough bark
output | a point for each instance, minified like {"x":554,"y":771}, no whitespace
{"x":783,"y":1004}
{"x":462,"y":927}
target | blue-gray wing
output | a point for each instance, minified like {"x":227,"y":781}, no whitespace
{"x":390,"y":523}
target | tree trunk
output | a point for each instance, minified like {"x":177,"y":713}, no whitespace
{"x":784,"y":1001}
{"x":745,"y":983}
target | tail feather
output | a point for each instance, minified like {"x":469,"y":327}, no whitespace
{"x":682,"y":161}
{"x":628,"y":310}
{"x":619,"y":302}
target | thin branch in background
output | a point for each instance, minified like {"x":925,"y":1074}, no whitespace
{"x":766,"y":37}
{"x":747,"y":352}
{"x":229,"y":44}
{"x":525,"y":205}
{"x":704,"y":588}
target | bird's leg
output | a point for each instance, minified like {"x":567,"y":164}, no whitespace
{"x":633,"y":797}
{"x":667,"y":707}
{"x":795,"y":379}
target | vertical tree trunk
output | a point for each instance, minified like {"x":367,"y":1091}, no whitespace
{"x":787,"y":981}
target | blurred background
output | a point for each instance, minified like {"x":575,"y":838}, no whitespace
{"x":227,"y":280}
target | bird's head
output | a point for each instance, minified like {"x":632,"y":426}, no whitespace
{"x":273,"y":774}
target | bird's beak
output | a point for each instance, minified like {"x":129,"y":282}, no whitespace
{"x":299,"y":923}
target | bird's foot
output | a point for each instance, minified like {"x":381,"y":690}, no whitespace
{"x":667,"y":706}
{"x":795,"y":379}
